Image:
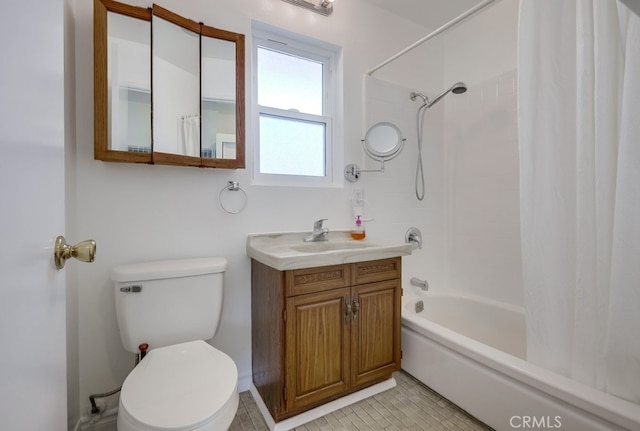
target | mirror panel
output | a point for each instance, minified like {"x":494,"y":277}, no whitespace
{"x":222,"y":103}
{"x":218,"y":98}
{"x":129,"y":83}
{"x":122,"y":82}
{"x":176,"y":86}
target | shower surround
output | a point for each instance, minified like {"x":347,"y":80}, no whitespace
{"x":470,"y":216}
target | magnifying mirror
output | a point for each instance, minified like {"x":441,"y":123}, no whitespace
{"x":383,"y":141}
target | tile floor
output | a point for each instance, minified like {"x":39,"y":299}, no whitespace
{"x":408,"y":406}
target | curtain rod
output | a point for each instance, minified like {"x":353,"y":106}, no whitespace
{"x":433,"y":34}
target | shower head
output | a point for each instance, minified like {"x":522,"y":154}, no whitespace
{"x":457,"y":88}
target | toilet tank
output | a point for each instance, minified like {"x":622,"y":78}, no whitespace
{"x":168,"y":302}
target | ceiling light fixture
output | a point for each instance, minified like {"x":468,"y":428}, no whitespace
{"x":324,"y":7}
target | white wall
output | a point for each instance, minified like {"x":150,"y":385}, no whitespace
{"x":140,"y":212}
{"x":390,"y":196}
{"x":482,"y":219}
{"x":469,"y":217}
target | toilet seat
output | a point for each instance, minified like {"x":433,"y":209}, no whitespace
{"x":184,"y":386}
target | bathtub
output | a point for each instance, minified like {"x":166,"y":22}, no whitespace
{"x":472,"y":351}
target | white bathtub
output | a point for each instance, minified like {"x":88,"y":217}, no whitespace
{"x":472,"y":351}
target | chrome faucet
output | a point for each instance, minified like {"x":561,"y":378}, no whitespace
{"x":319,"y":233}
{"x":422,"y":284}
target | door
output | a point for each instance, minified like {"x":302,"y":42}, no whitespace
{"x":317,"y":347}
{"x":375,"y":331}
{"x":32,"y":292}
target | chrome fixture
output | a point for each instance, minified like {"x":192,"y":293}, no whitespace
{"x":419,"y":306}
{"x":382,"y":142}
{"x":414,"y":237}
{"x":352,"y":172}
{"x":240,"y":201}
{"x":319,"y":233}
{"x":324,"y":7}
{"x":422,"y":284}
{"x":434,"y":33}
{"x":84,"y":251}
{"x":457,"y":88}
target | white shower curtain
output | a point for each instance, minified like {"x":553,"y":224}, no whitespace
{"x":190,"y":135}
{"x":579,"y":122}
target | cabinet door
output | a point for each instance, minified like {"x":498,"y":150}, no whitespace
{"x":375,"y":331}
{"x":317,"y":347}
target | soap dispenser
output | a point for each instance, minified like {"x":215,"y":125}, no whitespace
{"x":358,"y":231}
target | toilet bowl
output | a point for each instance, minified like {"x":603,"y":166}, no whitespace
{"x":189,"y":386}
{"x":182,"y":383}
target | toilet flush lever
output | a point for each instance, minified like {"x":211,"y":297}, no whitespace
{"x":84,"y":251}
{"x":131,"y":289}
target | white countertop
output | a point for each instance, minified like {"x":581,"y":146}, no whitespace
{"x":288,"y":250}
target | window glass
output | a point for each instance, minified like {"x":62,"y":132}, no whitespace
{"x":291,"y":147}
{"x":289,"y":82}
{"x":295,"y":92}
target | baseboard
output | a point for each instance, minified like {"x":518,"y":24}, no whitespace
{"x":244,"y":381}
{"x":320,"y":411}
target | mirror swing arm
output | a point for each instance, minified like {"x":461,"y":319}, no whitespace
{"x":383,"y":142}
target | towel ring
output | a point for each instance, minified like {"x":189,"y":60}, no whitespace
{"x":233,"y":186}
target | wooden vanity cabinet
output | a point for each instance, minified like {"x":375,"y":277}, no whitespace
{"x":322,"y":333}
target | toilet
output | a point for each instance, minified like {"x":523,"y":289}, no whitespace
{"x":183,"y":383}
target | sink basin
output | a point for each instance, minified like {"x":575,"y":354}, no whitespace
{"x":321,"y":246}
{"x":284,"y":251}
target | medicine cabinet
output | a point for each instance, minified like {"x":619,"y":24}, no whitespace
{"x":167,"y":89}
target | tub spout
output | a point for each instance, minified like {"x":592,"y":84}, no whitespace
{"x":422,"y":284}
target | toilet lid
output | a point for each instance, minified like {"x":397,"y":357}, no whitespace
{"x":178,"y":386}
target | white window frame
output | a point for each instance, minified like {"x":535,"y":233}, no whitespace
{"x":270,"y":37}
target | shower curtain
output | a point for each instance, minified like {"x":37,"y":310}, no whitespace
{"x":579,"y":127}
{"x":189,"y":139}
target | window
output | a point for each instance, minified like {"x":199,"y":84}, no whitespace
{"x":294,"y":97}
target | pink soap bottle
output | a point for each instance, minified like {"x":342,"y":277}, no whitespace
{"x":358,"y":232}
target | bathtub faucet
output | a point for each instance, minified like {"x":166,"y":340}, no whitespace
{"x":422,"y":284}
{"x":414,"y":237}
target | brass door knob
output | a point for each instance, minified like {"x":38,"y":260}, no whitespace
{"x":84,"y":251}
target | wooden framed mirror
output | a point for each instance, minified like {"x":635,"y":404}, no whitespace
{"x":179,"y":101}
{"x":122,"y":82}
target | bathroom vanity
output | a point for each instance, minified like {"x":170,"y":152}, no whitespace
{"x":322,"y":332}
